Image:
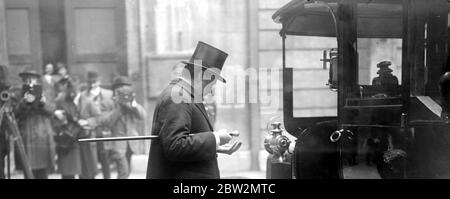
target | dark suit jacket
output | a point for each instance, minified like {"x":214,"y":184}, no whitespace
{"x":186,"y":148}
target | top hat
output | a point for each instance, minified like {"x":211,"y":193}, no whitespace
{"x":121,"y":81}
{"x":211,"y":58}
{"x":29,"y":72}
{"x":92,"y":76}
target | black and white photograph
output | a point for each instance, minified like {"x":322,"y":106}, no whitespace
{"x":224,"y":90}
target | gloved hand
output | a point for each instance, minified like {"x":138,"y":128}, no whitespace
{"x":84,"y":124}
{"x":60,"y":115}
{"x":229,"y":149}
{"x":130,"y":105}
{"x":223,"y":137}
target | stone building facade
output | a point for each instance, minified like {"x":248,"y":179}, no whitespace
{"x":144,"y":39}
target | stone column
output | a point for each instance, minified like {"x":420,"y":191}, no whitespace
{"x":253,"y":62}
{"x":135,"y":61}
{"x":3,"y":46}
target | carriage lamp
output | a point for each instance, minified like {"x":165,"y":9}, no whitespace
{"x":276,"y":143}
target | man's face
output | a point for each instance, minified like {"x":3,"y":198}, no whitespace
{"x":62,"y":71}
{"x":209,"y":82}
{"x":30,"y":80}
{"x":94,"y":84}
{"x":209,"y":87}
{"x":123,"y":94}
{"x":48,"y":69}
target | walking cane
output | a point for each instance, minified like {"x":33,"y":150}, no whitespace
{"x":115,"y":139}
{"x":150,"y":137}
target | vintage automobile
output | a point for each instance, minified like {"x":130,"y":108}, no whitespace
{"x":387,"y":106}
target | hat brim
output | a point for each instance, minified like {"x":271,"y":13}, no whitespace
{"x":217,"y":75}
{"x":121,"y":84}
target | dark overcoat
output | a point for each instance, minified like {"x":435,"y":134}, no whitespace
{"x":69,"y":160}
{"x":35,"y":125}
{"x":186,"y":148}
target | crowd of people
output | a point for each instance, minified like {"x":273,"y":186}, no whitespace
{"x":54,"y":110}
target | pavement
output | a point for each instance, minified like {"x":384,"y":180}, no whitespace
{"x":231,"y":167}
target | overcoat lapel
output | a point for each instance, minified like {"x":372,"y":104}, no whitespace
{"x":202,"y":109}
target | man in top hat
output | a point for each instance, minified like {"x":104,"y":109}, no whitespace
{"x":33,"y":116}
{"x":94,"y":102}
{"x":122,"y":121}
{"x":188,"y":145}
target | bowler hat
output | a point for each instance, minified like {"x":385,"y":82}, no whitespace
{"x":29,"y":72}
{"x":121,"y":81}
{"x":92,"y":76}
{"x":211,"y":58}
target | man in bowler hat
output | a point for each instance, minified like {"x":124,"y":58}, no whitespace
{"x":188,"y":145}
{"x":122,"y":120}
{"x":34,"y":116}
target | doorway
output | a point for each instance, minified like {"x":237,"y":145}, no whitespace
{"x":84,"y":34}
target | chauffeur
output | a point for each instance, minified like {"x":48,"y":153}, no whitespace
{"x":187,"y":146}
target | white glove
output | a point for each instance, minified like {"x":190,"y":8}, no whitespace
{"x":83,"y":123}
{"x":229,"y":149}
{"x":222,"y":137}
{"x":134,"y":104}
